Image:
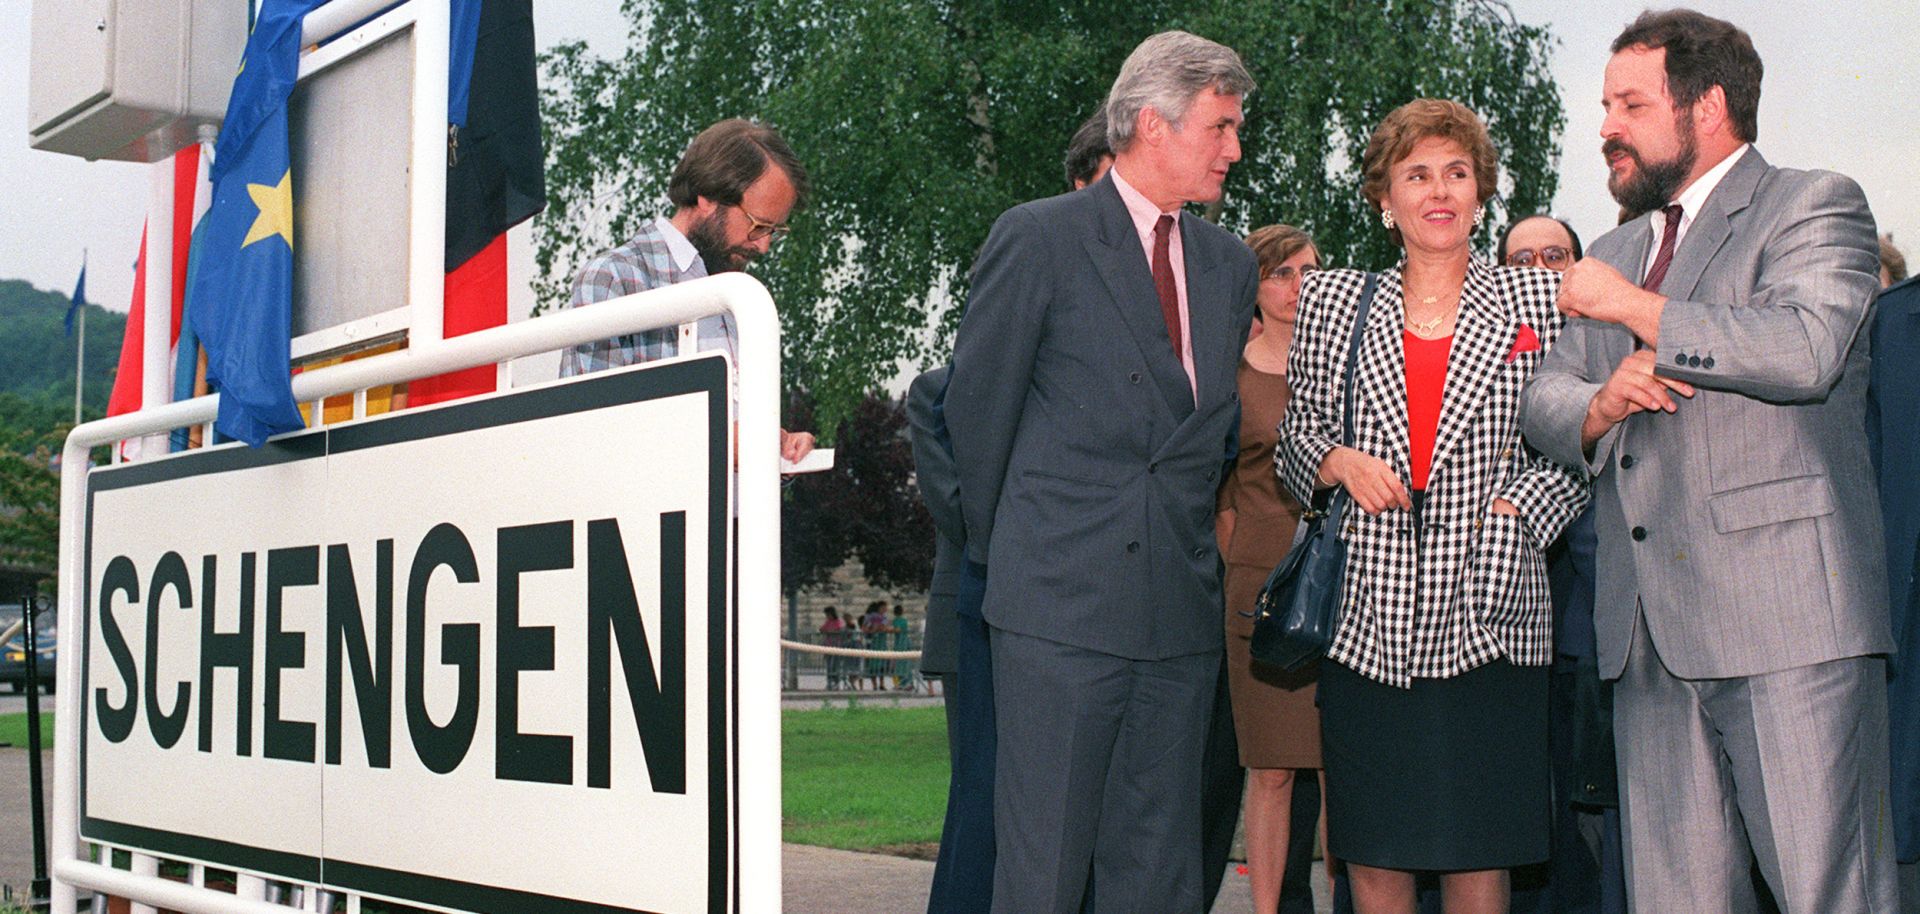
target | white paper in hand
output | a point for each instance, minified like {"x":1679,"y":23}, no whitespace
{"x":820,"y":458}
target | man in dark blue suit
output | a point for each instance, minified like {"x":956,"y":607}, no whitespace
{"x":956,"y":646}
{"x":1893,"y":433}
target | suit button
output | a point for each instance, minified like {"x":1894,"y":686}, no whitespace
{"x":1693,"y":361}
{"x":1506,"y":452}
{"x":1133,"y":546}
{"x":1153,"y":467}
{"x":1212,"y":475}
{"x":1707,"y":363}
{"x":1626,"y":461}
{"x":1680,"y":359}
{"x":1639,"y":533}
{"x":1133,"y":376}
{"x":1199,"y":551}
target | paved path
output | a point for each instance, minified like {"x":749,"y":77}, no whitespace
{"x":824,"y":881}
{"x":16,"y":823}
{"x":817,"y":880}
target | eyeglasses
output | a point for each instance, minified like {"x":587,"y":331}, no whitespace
{"x":1553,"y":257}
{"x":761,"y":228}
{"x":1286,"y":274}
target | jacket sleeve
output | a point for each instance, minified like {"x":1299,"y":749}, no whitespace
{"x":1789,"y":340}
{"x":1548,"y":493}
{"x":933,"y":455}
{"x":1553,"y":405}
{"x":1000,"y":335}
{"x":1311,"y":425}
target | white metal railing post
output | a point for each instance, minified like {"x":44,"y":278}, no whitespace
{"x":757,"y":658}
{"x":156,"y":373}
{"x":758,"y":558}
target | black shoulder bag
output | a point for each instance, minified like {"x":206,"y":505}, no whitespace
{"x":1295,"y":615}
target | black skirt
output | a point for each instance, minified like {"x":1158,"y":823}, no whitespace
{"x":1449,"y":775}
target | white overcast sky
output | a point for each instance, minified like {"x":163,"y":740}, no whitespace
{"x":1840,"y":93}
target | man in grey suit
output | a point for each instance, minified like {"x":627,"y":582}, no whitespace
{"x":1714,"y":384}
{"x":1091,"y":401}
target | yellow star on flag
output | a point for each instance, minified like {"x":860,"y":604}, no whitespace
{"x":276,"y":210}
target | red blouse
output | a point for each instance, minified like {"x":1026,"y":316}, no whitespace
{"x":1426,"y":382}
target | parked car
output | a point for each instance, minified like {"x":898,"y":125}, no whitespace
{"x":13,"y":654}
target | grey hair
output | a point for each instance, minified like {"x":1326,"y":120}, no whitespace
{"x":1165,"y":73}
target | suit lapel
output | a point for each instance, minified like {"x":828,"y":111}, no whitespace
{"x":1122,"y":265}
{"x":1208,"y":312}
{"x":1481,"y":338}
{"x":1712,"y":226}
{"x":1381,"y":381}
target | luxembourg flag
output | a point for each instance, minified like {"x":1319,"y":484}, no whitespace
{"x":191,"y":196}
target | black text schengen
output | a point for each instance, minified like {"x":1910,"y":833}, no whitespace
{"x":363,"y":656}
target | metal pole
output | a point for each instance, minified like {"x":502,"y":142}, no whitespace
{"x":792,"y":663}
{"x":41,"y":887}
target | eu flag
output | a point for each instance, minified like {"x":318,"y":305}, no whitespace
{"x":242,"y":282}
{"x":79,"y":295}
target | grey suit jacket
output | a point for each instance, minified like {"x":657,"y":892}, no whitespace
{"x":1088,"y":466}
{"x":940,"y":488}
{"x":1746,"y":525}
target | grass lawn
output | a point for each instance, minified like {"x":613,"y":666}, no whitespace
{"x":854,"y":778}
{"x":13,"y":729}
{"x":864,"y":778}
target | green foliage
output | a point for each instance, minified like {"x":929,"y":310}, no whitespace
{"x":865,"y":507}
{"x":922,"y":120}
{"x":36,"y":411}
{"x":863,"y":778}
{"x":36,"y":376}
{"x":30,"y":500}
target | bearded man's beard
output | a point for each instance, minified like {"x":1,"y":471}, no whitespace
{"x":709,"y":237}
{"x":1653,"y":184}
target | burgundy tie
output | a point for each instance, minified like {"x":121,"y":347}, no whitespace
{"x":1163,"y":280}
{"x":1664,"y":257}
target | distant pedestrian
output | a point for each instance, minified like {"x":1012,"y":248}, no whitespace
{"x":875,"y":627}
{"x":833,"y":633}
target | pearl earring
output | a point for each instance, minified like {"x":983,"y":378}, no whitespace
{"x":1386,"y":219}
{"x":1479,"y":215}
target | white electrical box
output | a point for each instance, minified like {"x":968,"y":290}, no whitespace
{"x":130,"y":79}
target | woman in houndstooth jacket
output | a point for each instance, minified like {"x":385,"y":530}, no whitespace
{"x":1433,"y":698}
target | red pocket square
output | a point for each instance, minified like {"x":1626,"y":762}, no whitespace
{"x":1523,"y":341}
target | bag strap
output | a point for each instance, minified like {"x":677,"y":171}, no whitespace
{"x":1328,"y":502}
{"x":1353,"y":357}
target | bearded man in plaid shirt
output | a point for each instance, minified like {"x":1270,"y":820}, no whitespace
{"x":732,"y":192}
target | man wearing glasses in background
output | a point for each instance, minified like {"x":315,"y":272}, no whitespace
{"x":732,"y":192}
{"x":1587,"y":870}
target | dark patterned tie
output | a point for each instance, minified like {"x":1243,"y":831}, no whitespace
{"x":1163,"y":280}
{"x":1664,"y":258}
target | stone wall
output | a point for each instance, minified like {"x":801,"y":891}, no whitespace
{"x":849,"y":590}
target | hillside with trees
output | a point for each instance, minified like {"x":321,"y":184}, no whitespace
{"x":36,"y":374}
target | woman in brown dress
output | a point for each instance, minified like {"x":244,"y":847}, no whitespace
{"x":1273,"y":713}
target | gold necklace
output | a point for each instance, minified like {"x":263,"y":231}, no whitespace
{"x":1427,"y":327}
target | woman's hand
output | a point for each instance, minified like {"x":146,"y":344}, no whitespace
{"x":1372,"y":484}
{"x":1503,"y":506}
